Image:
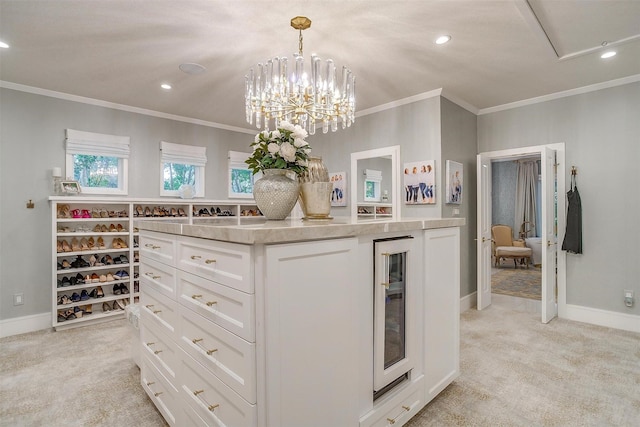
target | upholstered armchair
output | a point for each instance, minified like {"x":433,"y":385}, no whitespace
{"x":505,"y":247}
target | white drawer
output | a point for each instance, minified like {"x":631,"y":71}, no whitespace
{"x":232,"y":309}
{"x":160,"y":350}
{"x":161,"y":393}
{"x":227,"y":356}
{"x":396,"y":409}
{"x":158,"y":246}
{"x":211,"y":399}
{"x":226,"y":263}
{"x":159,"y":310}
{"x":158,"y":276}
{"x":189,"y":417}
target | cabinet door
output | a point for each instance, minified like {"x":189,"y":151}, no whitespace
{"x":311,"y":336}
{"x":441,"y":309}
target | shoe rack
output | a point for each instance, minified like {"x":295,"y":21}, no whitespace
{"x":375,"y":210}
{"x":95,"y":249}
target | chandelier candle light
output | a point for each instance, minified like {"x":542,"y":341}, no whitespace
{"x":302,"y":99}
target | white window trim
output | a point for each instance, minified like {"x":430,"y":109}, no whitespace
{"x":81,"y":142}
{"x":186,"y":155}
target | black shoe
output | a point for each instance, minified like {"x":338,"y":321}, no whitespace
{"x":84,"y":295}
{"x":116,"y":289}
{"x":123,"y":289}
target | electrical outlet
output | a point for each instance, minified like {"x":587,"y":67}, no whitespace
{"x":18,"y":299}
{"x":628,"y":298}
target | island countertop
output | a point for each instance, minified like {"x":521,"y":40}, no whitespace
{"x":260,"y":231}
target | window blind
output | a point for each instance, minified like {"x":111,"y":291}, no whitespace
{"x":97,"y":144}
{"x":183,"y":154}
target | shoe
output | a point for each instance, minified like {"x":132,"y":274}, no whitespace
{"x":93,"y":293}
{"x":110,"y":277}
{"x":136,"y":257}
{"x":123,"y":259}
{"x":84,"y":244}
{"x":123,"y":289}
{"x":106,"y":307}
{"x":59,"y":247}
{"x":181,"y":212}
{"x":96,"y":229}
{"x":103,"y":278}
{"x":136,"y":287}
{"x":98,"y":263}
{"x":78,"y":312}
{"x":65,"y":264}
{"x":66,"y":247}
{"x":100,"y":243}
{"x":115,"y":243}
{"x":137,"y":211}
{"x":121,"y":275}
{"x":99,"y":292}
{"x":204,"y":212}
{"x":86,"y":213}
{"x":147,"y":211}
{"x":73,"y":280}
{"x":120,"y":228}
{"x":75,"y":297}
{"x":66,"y":281}
{"x":62,"y":316}
{"x":92,"y":260}
{"x":63,"y":211}
{"x":79,"y":278}
{"x":117,"y":260}
{"x":123,"y":244}
{"x":104,"y":213}
{"x":107,"y":260}
{"x":76,"y":213}
{"x":88,"y":309}
{"x":116,"y":289}
{"x":84,"y":295}
{"x":174,"y":212}
{"x":95,"y":278}
{"x":91,"y":243}
{"x":112,"y":228}
{"x":103,"y":228}
{"x":119,"y":304}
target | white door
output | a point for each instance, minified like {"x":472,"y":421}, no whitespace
{"x":549,"y":232}
{"x":484,"y":232}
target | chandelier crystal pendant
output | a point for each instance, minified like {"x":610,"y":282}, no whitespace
{"x":306,"y":99}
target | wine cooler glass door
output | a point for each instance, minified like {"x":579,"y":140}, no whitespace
{"x":391,"y":343}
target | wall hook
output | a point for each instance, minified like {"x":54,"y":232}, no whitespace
{"x":30,"y":204}
{"x":574,"y":171}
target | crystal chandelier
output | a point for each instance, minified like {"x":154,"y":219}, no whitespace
{"x":309,"y":100}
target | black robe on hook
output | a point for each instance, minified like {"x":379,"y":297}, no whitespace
{"x":573,"y":237}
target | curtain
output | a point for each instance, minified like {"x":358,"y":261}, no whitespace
{"x":526,"y":196}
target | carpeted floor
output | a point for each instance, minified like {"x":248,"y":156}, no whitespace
{"x":515,"y":372}
{"x":522,"y":283}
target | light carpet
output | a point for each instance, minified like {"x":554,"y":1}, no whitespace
{"x":518,"y":282}
{"x":515,"y":372}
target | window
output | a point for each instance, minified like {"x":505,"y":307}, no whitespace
{"x":99,"y":162}
{"x":182,"y":165}
{"x":372,"y":183}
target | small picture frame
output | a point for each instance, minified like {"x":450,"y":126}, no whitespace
{"x":339,"y":193}
{"x":70,"y":187}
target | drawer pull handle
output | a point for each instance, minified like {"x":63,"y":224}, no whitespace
{"x":150,"y":383}
{"x":149,"y":306}
{"x":157,"y":394}
{"x":196,"y":340}
{"x":157,"y":311}
{"x":196,"y":296}
{"x":149,"y":344}
{"x":210,"y":352}
{"x":210,"y":303}
{"x":393,"y":420}
{"x":197,"y":392}
{"x":195,"y":257}
{"x":212,"y":407}
{"x":209,"y":261}
{"x":149,"y":245}
{"x":157,"y":351}
{"x":152,"y":276}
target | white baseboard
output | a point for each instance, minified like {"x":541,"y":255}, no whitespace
{"x":468,"y":301}
{"x":596,"y":316}
{"x":22,"y":325}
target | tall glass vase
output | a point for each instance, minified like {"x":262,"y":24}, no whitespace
{"x":275,"y":194}
{"x":315,"y":190}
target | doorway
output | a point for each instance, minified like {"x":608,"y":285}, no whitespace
{"x":552,"y":225}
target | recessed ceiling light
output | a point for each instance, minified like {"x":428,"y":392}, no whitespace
{"x":608,"y":54}
{"x":192,"y":68}
{"x":165,"y":86}
{"x":443,"y":39}
{"x":4,"y":45}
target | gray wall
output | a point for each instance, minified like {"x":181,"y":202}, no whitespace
{"x":601,"y":132}
{"x":32,"y":142}
{"x":415,"y":127}
{"x":459,"y":130}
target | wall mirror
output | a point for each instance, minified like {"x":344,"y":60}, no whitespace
{"x":374,"y":184}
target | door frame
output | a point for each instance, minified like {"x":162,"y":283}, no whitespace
{"x":561,"y":278}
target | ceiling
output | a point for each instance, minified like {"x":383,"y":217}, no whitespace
{"x":501,"y":51}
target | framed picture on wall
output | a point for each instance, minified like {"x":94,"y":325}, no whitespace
{"x":454,"y":182}
{"x":419,"y":182}
{"x":339,"y":194}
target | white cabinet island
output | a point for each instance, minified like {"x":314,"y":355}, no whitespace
{"x":271,"y":323}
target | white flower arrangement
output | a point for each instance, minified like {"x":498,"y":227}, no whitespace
{"x":283,"y":148}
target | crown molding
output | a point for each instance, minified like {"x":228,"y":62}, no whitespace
{"x":399,"y":102}
{"x":122,"y":107}
{"x":563,"y":94}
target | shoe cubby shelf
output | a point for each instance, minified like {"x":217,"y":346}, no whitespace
{"x":375,"y":210}
{"x":107,"y":214}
